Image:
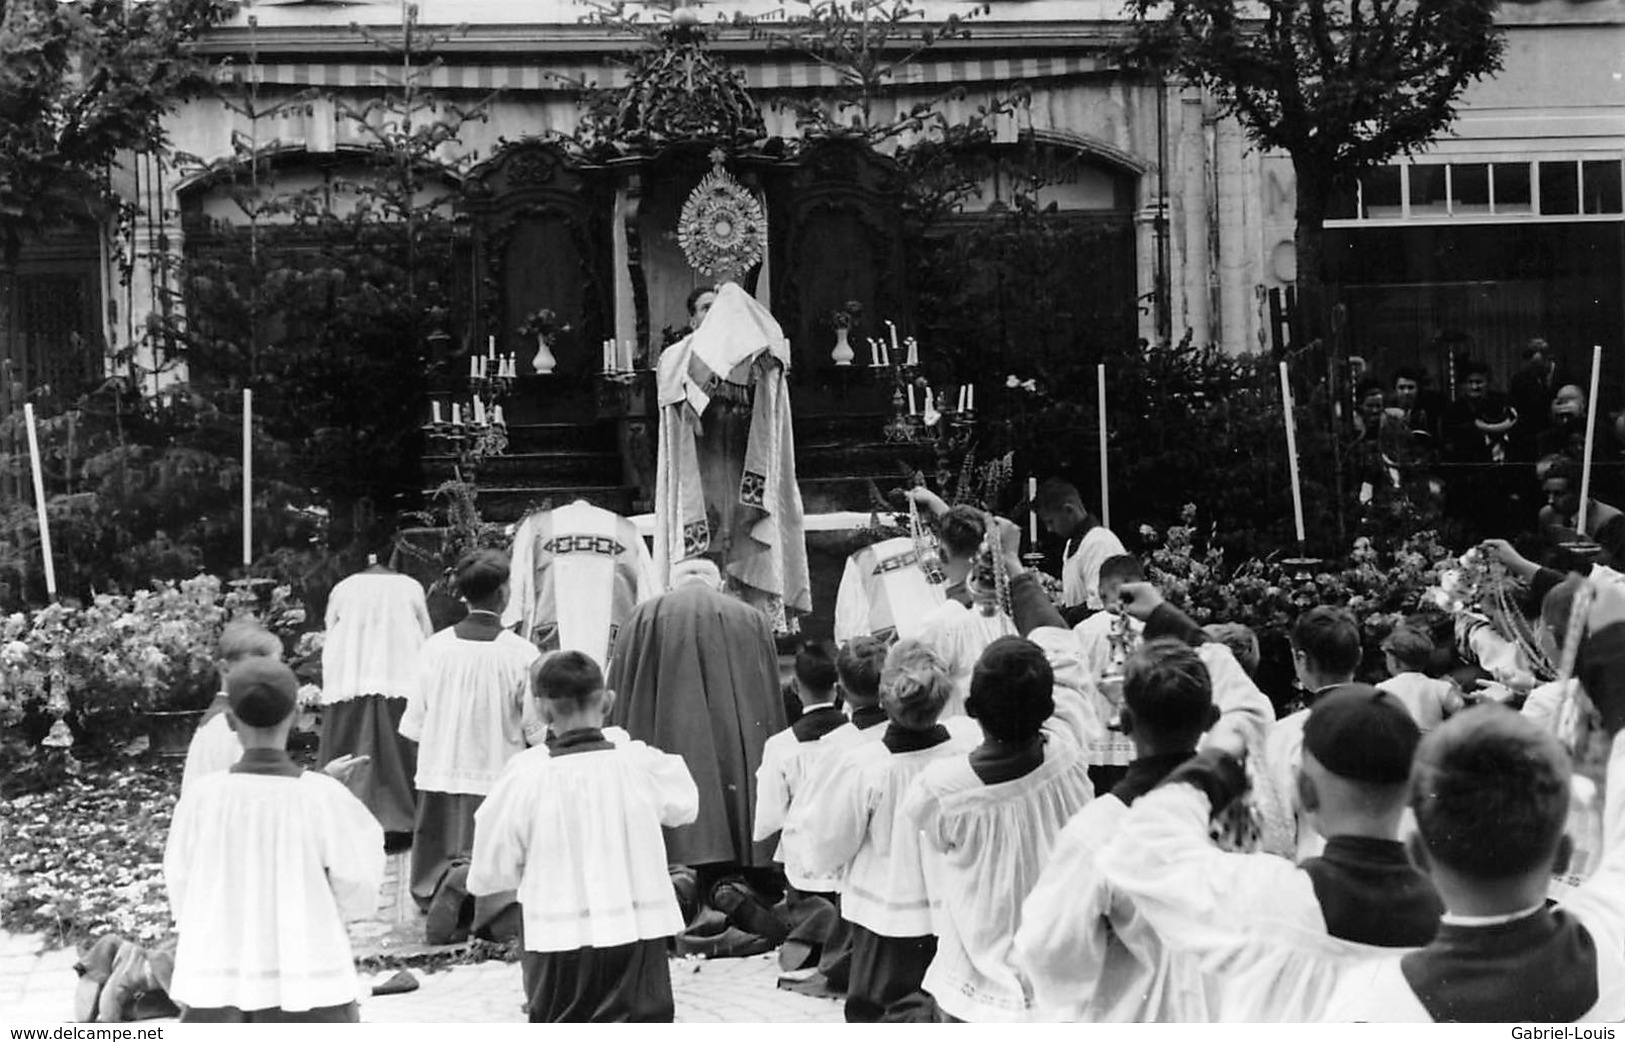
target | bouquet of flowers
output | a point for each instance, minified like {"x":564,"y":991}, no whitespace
{"x":543,"y":322}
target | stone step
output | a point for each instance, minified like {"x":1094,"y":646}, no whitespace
{"x":561,"y":437}
{"x":534,"y":469}
{"x":506,"y":503}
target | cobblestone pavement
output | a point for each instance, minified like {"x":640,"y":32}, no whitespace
{"x":36,"y":987}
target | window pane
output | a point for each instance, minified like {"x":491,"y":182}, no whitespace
{"x":1427,"y":191}
{"x":1512,"y":188}
{"x":1560,"y":187}
{"x":1469,"y":188}
{"x":1602,"y":186}
{"x":1381,"y":187}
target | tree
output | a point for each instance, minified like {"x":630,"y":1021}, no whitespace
{"x":1339,"y":85}
{"x":80,"y":85}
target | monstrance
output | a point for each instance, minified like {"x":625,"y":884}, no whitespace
{"x":722,"y":228}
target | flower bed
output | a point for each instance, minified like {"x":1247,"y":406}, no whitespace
{"x":85,"y":856}
{"x":84,"y":673}
{"x":1381,"y":587}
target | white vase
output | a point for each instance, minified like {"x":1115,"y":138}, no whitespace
{"x":544,"y":361}
{"x":843,"y":353}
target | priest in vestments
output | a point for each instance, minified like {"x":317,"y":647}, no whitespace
{"x":725,"y":482}
{"x":696,"y":673}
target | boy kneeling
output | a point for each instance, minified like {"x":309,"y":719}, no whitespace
{"x":264,"y":862}
{"x":575,"y":827}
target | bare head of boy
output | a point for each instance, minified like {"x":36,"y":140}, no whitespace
{"x":570,"y":692}
{"x":914,"y":686}
{"x":240,"y":641}
{"x":858,"y":668}
{"x":1490,"y":791}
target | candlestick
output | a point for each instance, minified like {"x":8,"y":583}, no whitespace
{"x":606,"y":346}
{"x":1105,"y":493}
{"x":913,"y":351}
{"x":1032,"y":511}
{"x":930,"y":402}
{"x":885,"y":354}
{"x":970,"y":399}
{"x":435,"y":406}
{"x":490,"y":347}
{"x":960,"y":404}
{"x":479,"y":411}
{"x":1292,"y":456}
{"x":39,"y":500}
{"x":456,"y":415}
{"x":1591,"y":433}
{"x":911,"y":410}
{"x":892,"y":329}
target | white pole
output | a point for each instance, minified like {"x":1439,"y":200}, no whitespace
{"x":1591,"y":437}
{"x":1105,"y":492}
{"x":39,"y":501}
{"x":1292,"y":455}
{"x":248,"y":477}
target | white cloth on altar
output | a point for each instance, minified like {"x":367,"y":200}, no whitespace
{"x":579,"y":836}
{"x":467,"y":711}
{"x":736,"y":334}
{"x":596,"y":559}
{"x":376,"y":623}
{"x":262,"y":871}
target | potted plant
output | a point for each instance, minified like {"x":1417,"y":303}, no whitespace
{"x":543,"y":324}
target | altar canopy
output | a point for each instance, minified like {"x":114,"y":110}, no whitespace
{"x":731,"y":367}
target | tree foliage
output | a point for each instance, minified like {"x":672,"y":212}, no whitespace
{"x":1344,"y":83}
{"x":81,"y":84}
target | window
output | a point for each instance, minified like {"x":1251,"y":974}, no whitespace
{"x":1430,"y":190}
{"x":1469,"y":188}
{"x":1600,"y":179}
{"x":1380,"y":191}
{"x":1511,"y":188}
{"x":1560,"y":187}
{"x":1442,"y":192}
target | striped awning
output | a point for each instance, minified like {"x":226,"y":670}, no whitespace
{"x":544,"y":75}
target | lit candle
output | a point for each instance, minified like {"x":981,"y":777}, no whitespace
{"x":609,"y":352}
{"x":456,"y":415}
{"x":496,"y":417}
{"x":436,"y":408}
{"x":892,"y":329}
{"x":1032,"y":511}
{"x":970,"y":399}
{"x":911,"y":410}
{"x":961,"y":405}
{"x":913,"y":351}
{"x":479,"y":411}
{"x":490,"y":347}
{"x":930,"y":402}
{"x":874,"y":353}
{"x":472,"y":367}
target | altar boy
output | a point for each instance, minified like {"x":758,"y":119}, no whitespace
{"x":575,"y":826}
{"x":264,"y":863}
